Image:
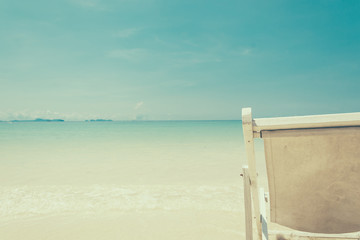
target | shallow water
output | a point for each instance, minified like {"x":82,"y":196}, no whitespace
{"x":128,"y":180}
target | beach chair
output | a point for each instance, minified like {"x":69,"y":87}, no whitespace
{"x":313,"y":173}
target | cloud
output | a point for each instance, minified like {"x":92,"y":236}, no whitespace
{"x":91,"y":4}
{"x":195,"y":58}
{"x":246,"y":51}
{"x":125,"y":33}
{"x":134,"y":54}
{"x":67,"y":116}
{"x":190,"y":43}
{"x":30,"y":115}
{"x":179,"y":83}
{"x":139,"y":105}
{"x":242,"y":51}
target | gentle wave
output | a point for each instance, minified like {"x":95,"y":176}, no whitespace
{"x":32,"y":201}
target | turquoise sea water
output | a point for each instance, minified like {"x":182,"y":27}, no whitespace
{"x":122,"y":152}
{"x":96,"y":175}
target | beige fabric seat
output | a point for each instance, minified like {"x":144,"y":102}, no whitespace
{"x":313,"y":168}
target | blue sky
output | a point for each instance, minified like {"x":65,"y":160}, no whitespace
{"x":178,"y":59}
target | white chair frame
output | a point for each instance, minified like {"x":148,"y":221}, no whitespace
{"x":256,"y":212}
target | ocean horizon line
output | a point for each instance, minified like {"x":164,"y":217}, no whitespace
{"x":110,"y":120}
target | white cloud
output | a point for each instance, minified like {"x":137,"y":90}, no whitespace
{"x":47,"y":114}
{"x":93,"y":4}
{"x":180,"y":83}
{"x":139,"y":105}
{"x":246,"y":51}
{"x":242,"y":51}
{"x":30,"y":115}
{"x":190,"y":43}
{"x":125,"y":33}
{"x":195,"y":58}
{"x":134,"y":54}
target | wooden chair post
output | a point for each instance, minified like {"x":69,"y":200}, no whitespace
{"x":263,"y":218}
{"x":248,"y":207}
{"x":247,"y":122}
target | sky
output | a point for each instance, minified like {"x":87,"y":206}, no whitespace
{"x":178,"y":59}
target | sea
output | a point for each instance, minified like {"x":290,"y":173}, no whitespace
{"x":122,"y":180}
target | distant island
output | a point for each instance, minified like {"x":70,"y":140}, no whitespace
{"x":39,"y":120}
{"x":99,"y":120}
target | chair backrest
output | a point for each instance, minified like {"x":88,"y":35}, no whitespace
{"x":313,"y":166}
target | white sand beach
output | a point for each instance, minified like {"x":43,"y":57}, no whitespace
{"x":153,"y":186}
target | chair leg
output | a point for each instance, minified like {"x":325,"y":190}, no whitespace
{"x":248,"y":207}
{"x":264,"y":229}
